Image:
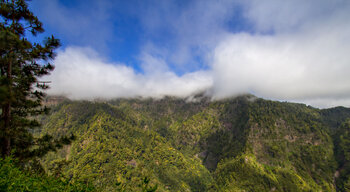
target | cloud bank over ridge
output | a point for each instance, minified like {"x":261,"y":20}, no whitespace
{"x":81,"y":74}
{"x":295,"y":51}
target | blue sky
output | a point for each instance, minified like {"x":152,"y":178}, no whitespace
{"x":284,"y":50}
{"x":116,"y":35}
{"x":120,"y":30}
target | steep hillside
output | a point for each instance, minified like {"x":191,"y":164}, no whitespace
{"x":238,"y":144}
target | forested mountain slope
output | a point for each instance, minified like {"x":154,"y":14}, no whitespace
{"x":238,"y":144}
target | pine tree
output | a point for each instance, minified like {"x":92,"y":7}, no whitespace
{"x":21,"y":64}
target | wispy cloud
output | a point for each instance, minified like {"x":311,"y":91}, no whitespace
{"x":187,"y":30}
{"x":89,"y":23}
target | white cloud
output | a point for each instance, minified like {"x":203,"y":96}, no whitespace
{"x":80,"y":73}
{"x":310,"y":63}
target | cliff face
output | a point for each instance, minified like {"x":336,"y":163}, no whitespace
{"x":238,"y":144}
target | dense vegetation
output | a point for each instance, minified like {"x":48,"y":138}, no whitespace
{"x":14,"y":178}
{"x":239,"y":144}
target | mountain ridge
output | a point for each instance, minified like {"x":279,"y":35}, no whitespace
{"x":243,"y":143}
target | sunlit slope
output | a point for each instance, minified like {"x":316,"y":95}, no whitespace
{"x":238,"y":144}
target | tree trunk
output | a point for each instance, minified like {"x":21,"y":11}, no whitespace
{"x":7,"y":113}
